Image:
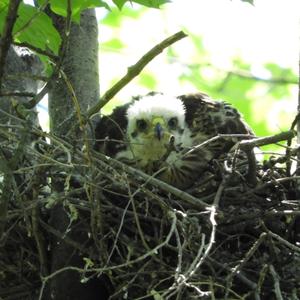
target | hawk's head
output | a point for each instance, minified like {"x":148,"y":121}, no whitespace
{"x":152,"y":121}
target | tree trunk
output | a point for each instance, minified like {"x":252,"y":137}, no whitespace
{"x":18,"y":61}
{"x":80,"y":66}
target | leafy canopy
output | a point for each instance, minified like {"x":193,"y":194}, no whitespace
{"x":34,"y":27}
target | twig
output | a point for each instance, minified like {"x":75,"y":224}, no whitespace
{"x":16,"y":94}
{"x":201,"y":257}
{"x":261,"y":279}
{"x":281,"y":240}
{"x":6,"y":190}
{"x":276,"y":278}
{"x":47,"y":53}
{"x":39,"y":239}
{"x":239,"y":275}
{"x":25,"y":75}
{"x":115,"y":267}
{"x":252,"y":167}
{"x":134,"y":71}
{"x":258,"y":142}
{"x":153,"y":181}
{"x":248,"y":255}
{"x":247,"y":75}
{"x":136,"y":218}
{"x":275,"y":182}
{"x":6,"y":36}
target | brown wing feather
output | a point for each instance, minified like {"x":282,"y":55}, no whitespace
{"x":110,"y":132}
{"x":207,"y":118}
{"x":212,"y":117}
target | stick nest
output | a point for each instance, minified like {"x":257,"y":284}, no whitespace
{"x":221,"y":239}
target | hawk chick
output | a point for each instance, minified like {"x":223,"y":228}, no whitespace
{"x":161,"y":134}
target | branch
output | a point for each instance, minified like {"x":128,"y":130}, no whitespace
{"x":17,"y":94}
{"x":135,"y":70}
{"x":276,"y":280}
{"x":25,"y":75}
{"x":247,"y":75}
{"x":6,"y":38}
{"x":38,"y":50}
{"x":258,"y":142}
{"x":191,"y":200}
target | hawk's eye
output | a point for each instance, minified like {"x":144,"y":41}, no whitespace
{"x":141,"y":124}
{"x":172,"y":123}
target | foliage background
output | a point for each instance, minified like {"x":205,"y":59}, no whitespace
{"x":242,"y":53}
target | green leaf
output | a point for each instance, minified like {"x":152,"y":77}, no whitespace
{"x":60,"y":7}
{"x":148,"y":80}
{"x":249,"y":1}
{"x":3,"y":5}
{"x":114,"y":18}
{"x":119,"y":3}
{"x":35,"y":27}
{"x":114,"y":43}
{"x":152,"y":3}
{"x":148,"y":3}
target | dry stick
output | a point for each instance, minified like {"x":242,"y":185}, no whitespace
{"x":276,"y":278}
{"x":6,"y":36}
{"x":25,"y":75}
{"x":201,"y":256}
{"x":39,"y":239}
{"x":136,"y":218}
{"x":275,"y":182}
{"x":236,"y":270}
{"x":150,"y":253}
{"x":281,"y":240}
{"x":261,"y":279}
{"x":110,"y":163}
{"x":195,"y":202}
{"x":258,"y":142}
{"x":135,"y":70}
{"x":17,"y":94}
{"x":240,"y":275}
{"x":248,"y":145}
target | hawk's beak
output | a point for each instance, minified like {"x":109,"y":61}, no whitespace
{"x":158,"y":131}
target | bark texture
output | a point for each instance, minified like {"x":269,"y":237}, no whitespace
{"x":80,"y":65}
{"x":19,"y":65}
